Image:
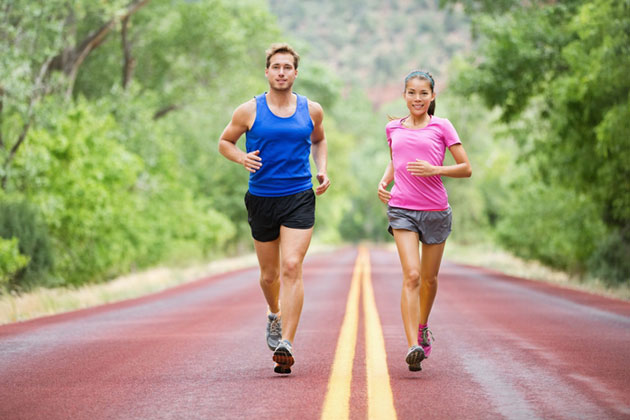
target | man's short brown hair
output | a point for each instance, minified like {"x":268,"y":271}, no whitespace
{"x":282,"y":48}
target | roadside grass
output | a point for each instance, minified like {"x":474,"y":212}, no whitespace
{"x":42,"y":302}
{"x":492,"y":257}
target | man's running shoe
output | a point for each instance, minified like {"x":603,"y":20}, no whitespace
{"x":415,"y":356}
{"x":274,"y":331}
{"x":283,"y":356}
{"x":425,"y":337}
{"x":282,"y":369}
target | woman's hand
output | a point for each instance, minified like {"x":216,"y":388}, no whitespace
{"x":383,"y":194}
{"x":422,"y":168}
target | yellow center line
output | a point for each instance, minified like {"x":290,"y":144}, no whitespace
{"x":337,"y":402}
{"x":380,"y":397}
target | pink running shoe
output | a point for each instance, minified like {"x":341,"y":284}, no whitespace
{"x":425,"y":337}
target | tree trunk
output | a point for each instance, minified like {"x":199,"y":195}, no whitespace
{"x":1,"y":109}
{"x":128,"y":61}
{"x":162,"y":112}
{"x":70,"y":60}
{"x":38,"y":92}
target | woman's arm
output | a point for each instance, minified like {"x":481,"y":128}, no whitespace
{"x":387,"y":178}
{"x":461,"y":169}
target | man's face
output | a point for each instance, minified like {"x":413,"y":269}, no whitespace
{"x":281,"y":72}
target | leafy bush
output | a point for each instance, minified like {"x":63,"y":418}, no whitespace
{"x":109,"y":209}
{"x":11,"y":261}
{"x":553,"y":225}
{"x":610,"y":260}
{"x":26,"y":257}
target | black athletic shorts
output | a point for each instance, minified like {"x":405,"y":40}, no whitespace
{"x":266,"y":214}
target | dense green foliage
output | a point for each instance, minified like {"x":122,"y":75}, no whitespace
{"x":11,"y":261}
{"x":121,"y":162}
{"x":26,"y":260}
{"x":559,"y":74}
{"x":123,"y":173}
{"x":550,"y":181}
{"x":110,"y":114}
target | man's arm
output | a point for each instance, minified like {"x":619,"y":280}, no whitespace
{"x":242,"y":119}
{"x":319,"y":147}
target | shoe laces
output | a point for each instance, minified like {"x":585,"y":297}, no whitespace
{"x":426,"y":332}
{"x":275,"y":327}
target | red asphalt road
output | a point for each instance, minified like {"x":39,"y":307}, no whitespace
{"x":505,"y":348}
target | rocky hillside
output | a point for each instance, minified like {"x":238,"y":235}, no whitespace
{"x":375,"y":43}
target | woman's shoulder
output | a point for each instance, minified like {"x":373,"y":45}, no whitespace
{"x":437,"y":120}
{"x":393,"y":123}
{"x":440,"y":121}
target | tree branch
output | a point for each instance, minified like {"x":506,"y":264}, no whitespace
{"x":162,"y":112}
{"x":69,"y":60}
{"x":1,"y":109}
{"x":35,"y":96}
{"x":128,"y":61}
{"x":80,"y":53}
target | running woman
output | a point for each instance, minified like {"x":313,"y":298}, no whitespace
{"x":418,"y":208}
{"x":281,"y":128}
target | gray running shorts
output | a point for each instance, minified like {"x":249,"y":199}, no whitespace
{"x":433,"y":227}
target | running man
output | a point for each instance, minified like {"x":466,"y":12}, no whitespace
{"x":281,"y":129}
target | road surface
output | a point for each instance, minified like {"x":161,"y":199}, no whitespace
{"x":504,"y":348}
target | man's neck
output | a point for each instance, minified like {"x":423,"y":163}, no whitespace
{"x":280,"y":98}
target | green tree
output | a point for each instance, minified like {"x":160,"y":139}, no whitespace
{"x":558,"y":72}
{"x":110,"y":113}
{"x":11,"y":261}
{"x":38,"y":40}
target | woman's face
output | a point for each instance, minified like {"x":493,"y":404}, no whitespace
{"x":418,"y":95}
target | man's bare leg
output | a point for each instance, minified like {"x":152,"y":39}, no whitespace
{"x":293,"y":246}
{"x":268,"y":254}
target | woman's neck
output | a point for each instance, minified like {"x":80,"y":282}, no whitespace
{"x":417,"y":121}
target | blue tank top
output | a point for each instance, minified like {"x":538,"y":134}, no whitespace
{"x":285,"y":148}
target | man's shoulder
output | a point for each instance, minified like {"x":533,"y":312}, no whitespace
{"x":246,"y":108}
{"x":315,"y":109}
{"x":312,"y":104}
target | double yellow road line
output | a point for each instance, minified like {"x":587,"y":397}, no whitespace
{"x":379,"y":392}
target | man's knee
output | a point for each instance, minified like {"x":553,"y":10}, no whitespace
{"x":291,"y":268}
{"x":269,"y":277}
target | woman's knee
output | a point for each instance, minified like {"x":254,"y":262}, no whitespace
{"x":430,"y":281}
{"x":412,"y":279}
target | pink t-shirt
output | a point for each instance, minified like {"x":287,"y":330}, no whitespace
{"x":429,"y":144}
